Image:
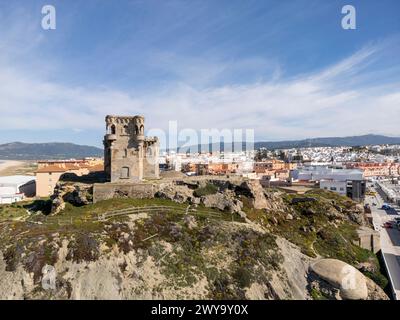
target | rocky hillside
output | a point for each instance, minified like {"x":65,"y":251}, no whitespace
{"x":208,"y":239}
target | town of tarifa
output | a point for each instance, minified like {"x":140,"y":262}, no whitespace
{"x":123,"y":229}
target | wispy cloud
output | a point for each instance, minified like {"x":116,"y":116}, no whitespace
{"x":304,"y":107}
{"x":358,"y":94}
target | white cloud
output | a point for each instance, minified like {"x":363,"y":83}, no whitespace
{"x":325,"y":103}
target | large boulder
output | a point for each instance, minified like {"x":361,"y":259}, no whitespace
{"x":223,"y":201}
{"x":347,"y":281}
{"x":77,"y":194}
{"x":275,"y":201}
{"x":356,"y":214}
{"x":177,"y":193}
{"x":254,"y":191}
{"x":333,"y":214}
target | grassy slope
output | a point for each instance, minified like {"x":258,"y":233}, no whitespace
{"x":324,"y":239}
{"x":253,"y":254}
{"x":316,"y":234}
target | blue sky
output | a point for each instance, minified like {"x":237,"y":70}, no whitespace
{"x":283,"y":68}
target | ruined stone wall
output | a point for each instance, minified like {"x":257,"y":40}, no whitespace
{"x":368,"y":239}
{"x":104,"y":191}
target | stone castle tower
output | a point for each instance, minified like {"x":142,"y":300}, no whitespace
{"x":129,"y":156}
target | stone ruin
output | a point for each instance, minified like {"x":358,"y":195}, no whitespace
{"x":129,"y":156}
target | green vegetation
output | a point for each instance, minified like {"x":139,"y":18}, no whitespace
{"x":187,"y":261}
{"x":83,"y":248}
{"x":379,"y":279}
{"x":192,"y":246}
{"x":114,"y":204}
{"x":20,"y":210}
{"x":243,"y":277}
{"x":320,"y":226}
{"x":317,"y":295}
{"x":206,"y":190}
{"x":12,"y":211}
{"x":85,"y":233}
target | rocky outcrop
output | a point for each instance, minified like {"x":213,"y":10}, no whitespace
{"x":177,"y":193}
{"x":353,"y":212}
{"x":234,"y":260}
{"x":275,"y":202}
{"x":357,"y":215}
{"x":295,"y":265}
{"x":226,"y":197}
{"x":77,"y":194}
{"x":225,"y":201}
{"x":255,"y":192}
{"x":375,"y":292}
{"x":147,"y":256}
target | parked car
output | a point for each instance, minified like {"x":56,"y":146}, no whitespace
{"x":388,"y":225}
{"x":386,"y":207}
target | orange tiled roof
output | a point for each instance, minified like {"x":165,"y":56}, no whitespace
{"x":64,"y":167}
{"x":61,"y":161}
{"x":51,"y":168}
{"x":59,"y":168}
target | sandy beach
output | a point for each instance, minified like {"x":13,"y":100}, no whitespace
{"x":7,"y":164}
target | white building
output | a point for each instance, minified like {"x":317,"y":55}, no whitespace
{"x":348,"y":182}
{"x":16,"y":188}
{"x":335,"y":186}
{"x":317,"y":173}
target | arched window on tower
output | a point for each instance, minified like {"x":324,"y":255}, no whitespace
{"x":137,"y":130}
{"x":141,"y":129}
{"x":113,"y":129}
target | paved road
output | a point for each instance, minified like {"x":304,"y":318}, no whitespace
{"x":390,"y":240}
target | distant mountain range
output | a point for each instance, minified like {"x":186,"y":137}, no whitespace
{"x":53,"y":150}
{"x":352,"y":141}
{"x":56,"y":150}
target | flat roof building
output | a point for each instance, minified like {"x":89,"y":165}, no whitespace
{"x":347,"y":182}
{"x":16,"y":188}
{"x":50,"y":171}
{"x":317,"y":173}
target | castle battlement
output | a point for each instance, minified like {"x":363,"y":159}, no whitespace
{"x":129,"y":156}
